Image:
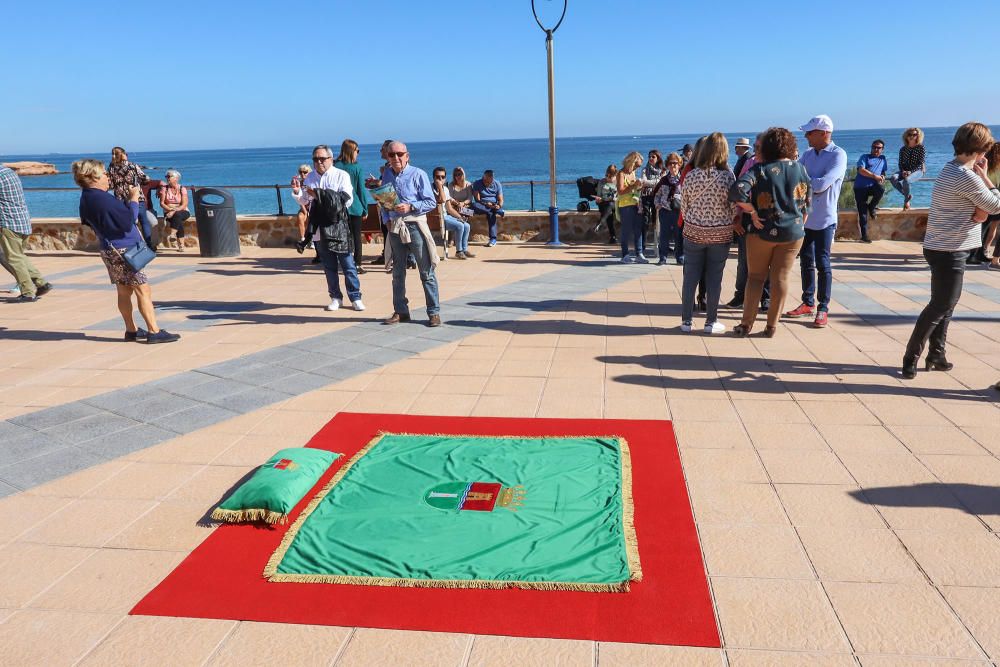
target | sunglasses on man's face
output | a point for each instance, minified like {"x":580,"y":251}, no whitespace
{"x":877,"y":147}
{"x":320,"y":159}
{"x":439,"y":177}
{"x":396,"y":154}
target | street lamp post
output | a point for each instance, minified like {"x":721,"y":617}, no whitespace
{"x":553,"y":202}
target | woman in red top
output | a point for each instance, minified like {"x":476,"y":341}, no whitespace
{"x":174,"y":200}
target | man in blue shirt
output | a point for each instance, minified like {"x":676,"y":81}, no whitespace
{"x":869,"y":185}
{"x":408,"y":233}
{"x":15,"y":228}
{"x":827,"y":165}
{"x":487,"y":194}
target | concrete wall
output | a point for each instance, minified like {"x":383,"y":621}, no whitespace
{"x":275,"y":231}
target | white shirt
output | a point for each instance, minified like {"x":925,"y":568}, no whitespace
{"x":334,"y":179}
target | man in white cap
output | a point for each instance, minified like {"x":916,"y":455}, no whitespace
{"x":827,"y":165}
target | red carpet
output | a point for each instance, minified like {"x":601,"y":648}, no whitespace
{"x":671,"y":605}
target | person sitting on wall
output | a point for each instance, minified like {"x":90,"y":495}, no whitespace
{"x":869,"y":185}
{"x":174,"y":200}
{"x":456,"y":225}
{"x":487,"y":195}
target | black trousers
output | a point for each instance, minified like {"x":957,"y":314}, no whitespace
{"x":607,"y":211}
{"x":947,"y":275}
{"x":176,"y":222}
{"x":354,"y":221}
{"x":867,"y":199}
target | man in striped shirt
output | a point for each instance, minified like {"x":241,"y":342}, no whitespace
{"x":15,"y":228}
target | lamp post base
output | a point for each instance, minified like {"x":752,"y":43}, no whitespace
{"x":554,"y":241}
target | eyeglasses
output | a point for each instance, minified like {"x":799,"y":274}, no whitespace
{"x":876,"y":147}
{"x":912,"y":134}
{"x":439,"y":177}
{"x":397,"y":154}
{"x":320,"y":159}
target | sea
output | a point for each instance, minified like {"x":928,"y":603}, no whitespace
{"x":510,"y":159}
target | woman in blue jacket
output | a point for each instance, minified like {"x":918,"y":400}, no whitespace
{"x":114,"y":224}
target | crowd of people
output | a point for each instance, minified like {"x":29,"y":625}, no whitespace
{"x":775,"y":204}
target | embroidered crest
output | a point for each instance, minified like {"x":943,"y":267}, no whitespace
{"x":285,"y":464}
{"x":475,"y":496}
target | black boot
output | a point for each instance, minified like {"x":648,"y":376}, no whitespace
{"x":909,"y":368}
{"x":938,"y":363}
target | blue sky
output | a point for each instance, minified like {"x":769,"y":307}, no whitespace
{"x":83,"y":77}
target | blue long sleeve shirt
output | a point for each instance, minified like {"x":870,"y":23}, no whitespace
{"x":827,"y":169}
{"x":111,"y":219}
{"x":413,"y":187}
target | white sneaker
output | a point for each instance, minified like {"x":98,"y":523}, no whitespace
{"x":715,"y":328}
{"x":334,"y":305}
{"x":641,"y":259}
{"x":358,"y":305}
{"x":686,"y":327}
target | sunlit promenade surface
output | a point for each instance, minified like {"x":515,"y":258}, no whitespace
{"x":845,"y":516}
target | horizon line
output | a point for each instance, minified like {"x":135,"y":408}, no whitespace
{"x":448,"y":141}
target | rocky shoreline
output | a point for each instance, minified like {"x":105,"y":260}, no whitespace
{"x":32,"y":168}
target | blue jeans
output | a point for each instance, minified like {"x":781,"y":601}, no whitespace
{"x":331,"y":261}
{"x":631,"y":229}
{"x":459,"y":229}
{"x":422,"y":253}
{"x":491,"y":217}
{"x":147,"y":219}
{"x":814,"y":259}
{"x":671,"y":237}
{"x":710,"y":258}
{"x":903,"y":184}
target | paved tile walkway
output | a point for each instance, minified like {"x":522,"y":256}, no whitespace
{"x":845,"y":516}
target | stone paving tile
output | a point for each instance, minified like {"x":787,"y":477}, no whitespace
{"x":777,"y":614}
{"x":27,"y":636}
{"x":901,"y":619}
{"x":267,"y":644}
{"x":489,"y":650}
{"x":28,"y":569}
{"x":848,"y":554}
{"x":56,"y":463}
{"x":977,"y":607}
{"x":369,"y":646}
{"x":957,"y":558}
{"x":627,"y":655}
{"x":758,"y":658}
{"x":134,"y":573}
{"x":764,"y":552}
{"x":145,"y":640}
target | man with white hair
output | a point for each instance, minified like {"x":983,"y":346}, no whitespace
{"x":336,"y":252}
{"x":826,"y":163}
{"x":409,"y":233}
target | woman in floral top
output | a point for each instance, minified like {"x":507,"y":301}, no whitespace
{"x":708,"y":228}
{"x":123,"y":175}
{"x":775,"y":192}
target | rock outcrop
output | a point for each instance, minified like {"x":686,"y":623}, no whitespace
{"x":32,"y":168}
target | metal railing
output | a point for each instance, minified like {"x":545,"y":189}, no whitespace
{"x":278,"y":188}
{"x":281,"y":207}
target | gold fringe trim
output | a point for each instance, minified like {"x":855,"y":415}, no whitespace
{"x":628,"y":524}
{"x":239,"y":516}
{"x":628,"y":513}
{"x":617,"y":587}
{"x":271,"y":569}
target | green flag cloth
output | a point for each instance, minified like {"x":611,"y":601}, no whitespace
{"x":470,"y":512}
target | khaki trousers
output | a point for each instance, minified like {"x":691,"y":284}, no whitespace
{"x":767,"y":259}
{"x":12,"y":258}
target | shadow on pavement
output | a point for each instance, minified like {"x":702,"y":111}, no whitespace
{"x":970,"y":498}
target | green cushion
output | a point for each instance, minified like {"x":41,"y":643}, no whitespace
{"x":277,"y":486}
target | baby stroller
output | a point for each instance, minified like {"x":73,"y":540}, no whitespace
{"x":587,"y":188}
